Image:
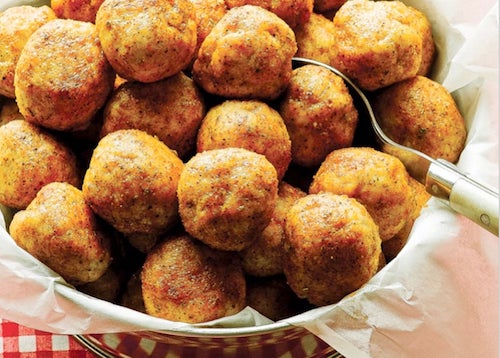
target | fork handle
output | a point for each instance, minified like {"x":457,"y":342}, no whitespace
{"x":464,"y":195}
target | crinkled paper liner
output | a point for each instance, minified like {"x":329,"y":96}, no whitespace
{"x":437,"y":298}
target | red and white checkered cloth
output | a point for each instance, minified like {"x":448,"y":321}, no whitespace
{"x":17,"y":341}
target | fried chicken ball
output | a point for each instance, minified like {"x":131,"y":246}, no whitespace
{"x":170,"y":109}
{"x":131,"y":182}
{"x":61,"y":230}
{"x":227,"y":197}
{"x":248,"y":124}
{"x":248,"y":54}
{"x":272,"y":297}
{"x":394,"y":245}
{"x":319,"y":113}
{"x":207,"y":13}
{"x":420,"y":113}
{"x":81,"y":10}
{"x":377,"y":180}
{"x":293,"y":12}
{"x":147,"y":40}
{"x":16,"y":26}
{"x":30,"y":157}
{"x":62,"y":77}
{"x":315,"y":39}
{"x":378,"y":43}
{"x":185,"y":280}
{"x":264,"y":257}
{"x":332,"y":247}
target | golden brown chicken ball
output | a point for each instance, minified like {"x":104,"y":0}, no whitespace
{"x":420,"y":113}
{"x":319,"y":113}
{"x":82,"y":10}
{"x":378,"y":43}
{"x":264,"y":257}
{"x":394,"y":245}
{"x":248,"y":54}
{"x":293,"y":12}
{"x":30,"y":157}
{"x":185,"y":280}
{"x":61,"y":230}
{"x":62,"y":77}
{"x":227,"y":197}
{"x":273,"y":297}
{"x":332,"y":247}
{"x":207,"y":13}
{"x":170,"y":109}
{"x":147,"y":40}
{"x":16,"y":26}
{"x":249,"y":124}
{"x":377,"y":180}
{"x":315,"y":39}
{"x":131,"y":182}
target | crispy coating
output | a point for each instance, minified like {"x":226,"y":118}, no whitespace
{"x":227,"y":197}
{"x":170,"y":109}
{"x":377,"y":180}
{"x":272,"y":297}
{"x":315,"y":39}
{"x":30,"y":157}
{"x":378,"y":43}
{"x":62,"y":77}
{"x":420,"y":113}
{"x":394,"y":245}
{"x":332,"y":247}
{"x":319,"y":114}
{"x":248,"y":124}
{"x":327,"y":5}
{"x":293,"y":12}
{"x":16,"y":26}
{"x":264,"y":257}
{"x":246,"y":55}
{"x":207,"y":13}
{"x":81,"y":10}
{"x":131,"y":182}
{"x":60,"y":229}
{"x":185,"y":280}
{"x":147,"y":40}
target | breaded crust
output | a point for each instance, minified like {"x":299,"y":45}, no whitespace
{"x":185,"y":280}
{"x":16,"y":26}
{"x":249,"y":124}
{"x":131,"y":182}
{"x":147,"y":40}
{"x":170,"y":109}
{"x":377,"y":180}
{"x":332,"y":247}
{"x":30,"y":158}
{"x":319,"y":114}
{"x":60,"y":229}
{"x":227,"y":197}
{"x":248,"y":54}
{"x":62,"y":77}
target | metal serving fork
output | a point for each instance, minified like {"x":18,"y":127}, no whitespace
{"x":441,"y":178}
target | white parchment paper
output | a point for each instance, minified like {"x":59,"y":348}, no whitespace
{"x":438,"y":298}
